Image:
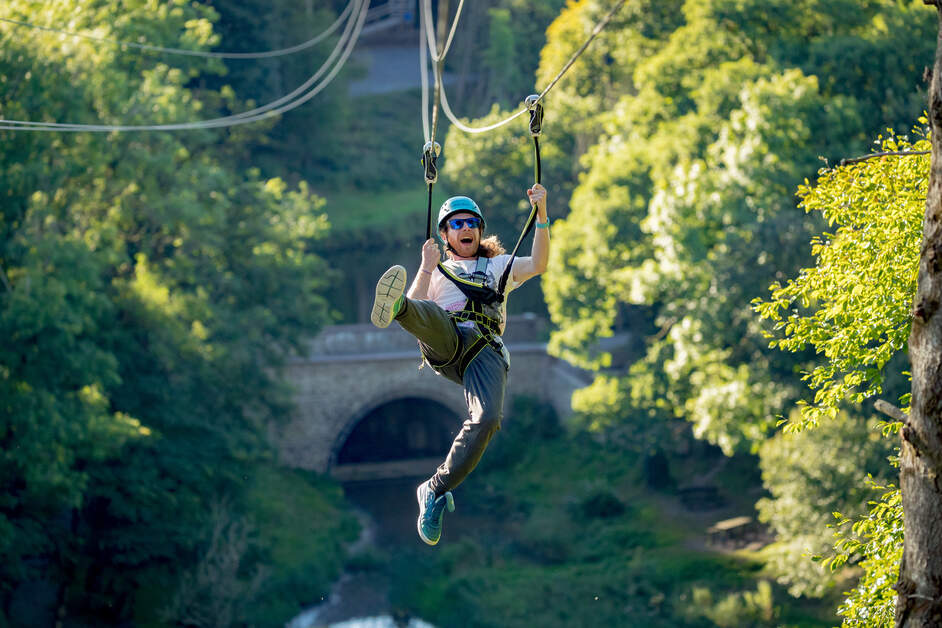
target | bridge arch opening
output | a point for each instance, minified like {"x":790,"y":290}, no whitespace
{"x":395,"y":439}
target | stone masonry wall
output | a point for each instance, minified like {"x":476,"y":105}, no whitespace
{"x":352,"y":369}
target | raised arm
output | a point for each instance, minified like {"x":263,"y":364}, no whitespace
{"x":526,"y":267}
{"x":430,"y":258}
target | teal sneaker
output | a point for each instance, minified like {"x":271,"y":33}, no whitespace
{"x":431,"y":511}
{"x":389,"y":299}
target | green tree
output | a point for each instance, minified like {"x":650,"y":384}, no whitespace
{"x":686,"y":209}
{"x":150,"y":291}
{"x":852,"y":307}
{"x":305,"y":143}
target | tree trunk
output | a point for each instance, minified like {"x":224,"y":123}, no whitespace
{"x":919,"y":589}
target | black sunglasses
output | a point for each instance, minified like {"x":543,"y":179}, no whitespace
{"x":458,"y":223}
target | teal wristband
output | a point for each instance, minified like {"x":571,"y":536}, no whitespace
{"x":543,"y":225}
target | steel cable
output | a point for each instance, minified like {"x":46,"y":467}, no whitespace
{"x":430,"y":32}
{"x":259,"y":113}
{"x":196,"y":53}
{"x":468,"y":129}
{"x":423,"y":73}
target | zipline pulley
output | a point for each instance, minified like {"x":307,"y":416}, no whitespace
{"x":536,"y":128}
{"x":536,"y":114}
{"x":430,"y":153}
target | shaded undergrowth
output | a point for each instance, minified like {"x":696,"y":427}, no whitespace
{"x":566,"y":532}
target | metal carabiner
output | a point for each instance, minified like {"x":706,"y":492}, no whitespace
{"x":430,"y":153}
{"x":536,"y":114}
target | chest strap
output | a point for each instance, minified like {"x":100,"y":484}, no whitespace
{"x":473,"y":290}
{"x":474,"y":312}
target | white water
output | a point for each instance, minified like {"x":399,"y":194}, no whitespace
{"x":384,"y":621}
{"x":360,"y":600}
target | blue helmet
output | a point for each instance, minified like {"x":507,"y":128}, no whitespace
{"x":456,"y":205}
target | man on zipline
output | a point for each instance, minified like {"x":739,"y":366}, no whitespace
{"x":460,"y":336}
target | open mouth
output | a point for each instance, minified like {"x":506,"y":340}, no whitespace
{"x":467,"y":240}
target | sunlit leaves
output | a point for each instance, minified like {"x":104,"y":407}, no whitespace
{"x":687,"y":203}
{"x":876,"y":540}
{"x":853,"y":306}
{"x":853,"y":309}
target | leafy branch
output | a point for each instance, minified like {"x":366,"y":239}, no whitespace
{"x":899,"y":153}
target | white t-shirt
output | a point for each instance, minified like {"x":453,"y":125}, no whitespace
{"x":447,"y":295}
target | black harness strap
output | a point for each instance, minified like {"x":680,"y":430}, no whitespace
{"x":536,"y":128}
{"x":473,"y":291}
{"x":479,"y":295}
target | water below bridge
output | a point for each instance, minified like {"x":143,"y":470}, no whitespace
{"x":387,"y":510}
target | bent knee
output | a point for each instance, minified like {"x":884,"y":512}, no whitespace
{"x":489,"y":418}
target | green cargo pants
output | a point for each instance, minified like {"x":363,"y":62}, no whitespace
{"x":484,"y":381}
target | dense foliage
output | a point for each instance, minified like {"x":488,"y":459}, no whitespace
{"x":589,"y":547}
{"x":686,"y":129}
{"x":150,"y":289}
{"x":687,"y":208}
{"x":853,"y":307}
{"x":151,"y":284}
{"x":810,"y":475}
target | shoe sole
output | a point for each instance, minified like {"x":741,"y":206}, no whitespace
{"x":388,"y":289}
{"x":449,"y":506}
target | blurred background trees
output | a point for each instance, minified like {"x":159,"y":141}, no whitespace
{"x":153,"y":284}
{"x":688,"y":130}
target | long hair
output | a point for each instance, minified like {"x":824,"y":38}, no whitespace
{"x":491,"y":247}
{"x":487,"y":247}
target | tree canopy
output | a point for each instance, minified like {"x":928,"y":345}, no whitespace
{"x":151,"y":287}
{"x":686,"y":136}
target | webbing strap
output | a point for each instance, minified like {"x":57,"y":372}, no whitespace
{"x":428,"y":220}
{"x":527,"y":228}
{"x":537,"y":167}
{"x":480,"y":269}
{"x":464,"y":355}
{"x":470,"y":353}
{"x":473,"y":291}
{"x":536,"y":128}
{"x":482,"y":319}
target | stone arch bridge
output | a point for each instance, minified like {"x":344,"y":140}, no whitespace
{"x":365,"y":410}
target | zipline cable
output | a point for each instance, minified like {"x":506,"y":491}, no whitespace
{"x":536,"y":129}
{"x":595,"y":31}
{"x":252,"y":115}
{"x":428,"y":47}
{"x":423,"y":73}
{"x":196,"y":53}
{"x":468,"y":129}
{"x":431,"y":149}
{"x":430,"y":35}
{"x":259,"y":113}
{"x":429,"y":43}
{"x":438,"y":57}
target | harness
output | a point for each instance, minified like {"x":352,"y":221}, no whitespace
{"x":479,"y":295}
{"x":479,"y":299}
